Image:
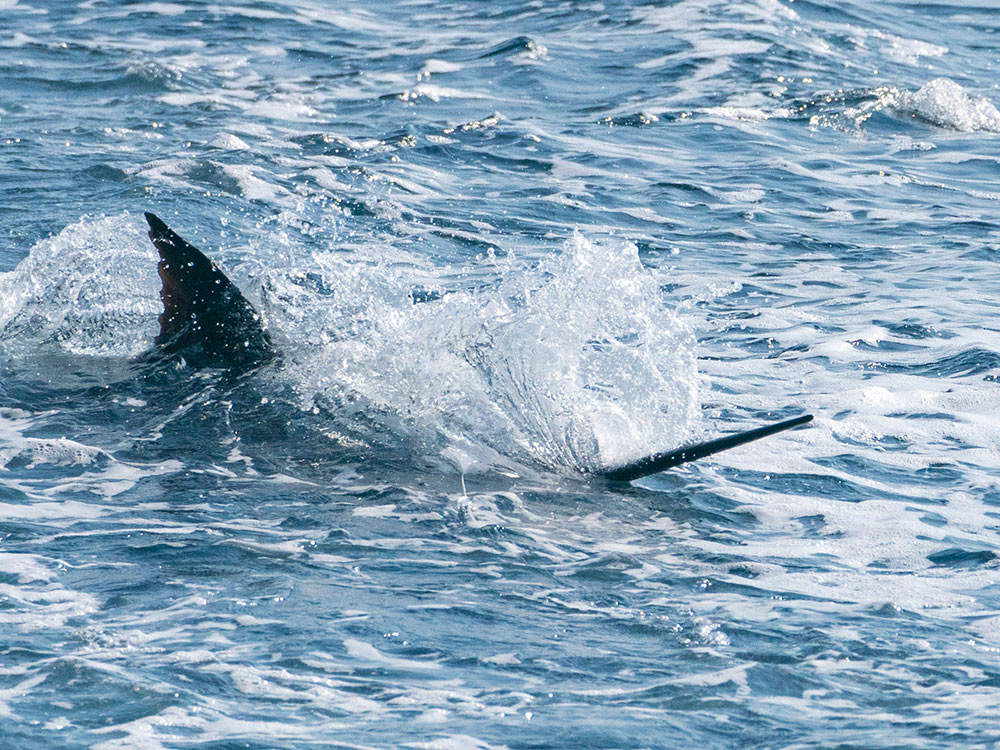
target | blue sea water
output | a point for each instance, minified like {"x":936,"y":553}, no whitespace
{"x":501,"y":246}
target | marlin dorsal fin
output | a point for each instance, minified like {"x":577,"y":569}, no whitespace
{"x":205,"y":317}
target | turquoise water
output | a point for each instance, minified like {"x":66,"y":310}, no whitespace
{"x":502,"y":246}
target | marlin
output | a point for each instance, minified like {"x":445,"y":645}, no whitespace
{"x":208,"y":321}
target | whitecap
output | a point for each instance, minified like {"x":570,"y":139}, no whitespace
{"x":945,"y":103}
{"x":434,"y":65}
{"x":229,"y":142}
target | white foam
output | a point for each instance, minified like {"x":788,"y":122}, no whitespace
{"x":18,"y":39}
{"x":368,"y":653}
{"x":440,"y":66}
{"x":946,"y":103}
{"x":209,"y":723}
{"x":91,"y":289}
{"x":252,"y":186}
{"x":27,"y":568}
{"x":904,"y":50}
{"x":941,"y":102}
{"x":229,"y":142}
{"x":436,"y":93}
{"x":30,"y":608}
{"x":356,"y":19}
{"x":454,"y":742}
{"x":24,"y":687}
{"x":575,"y":363}
{"x":160,"y":9}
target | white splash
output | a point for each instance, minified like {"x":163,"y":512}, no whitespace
{"x":576,"y":362}
{"x":91,"y":289}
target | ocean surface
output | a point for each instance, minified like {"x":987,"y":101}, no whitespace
{"x":502,"y":246}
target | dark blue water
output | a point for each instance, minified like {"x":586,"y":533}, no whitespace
{"x":501,"y":246}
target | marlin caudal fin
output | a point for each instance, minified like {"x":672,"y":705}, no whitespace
{"x":661,"y":461}
{"x":205,"y":317}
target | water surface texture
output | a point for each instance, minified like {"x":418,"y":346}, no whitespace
{"x":502,"y":246}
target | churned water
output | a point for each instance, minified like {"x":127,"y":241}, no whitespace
{"x":501,"y":246}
